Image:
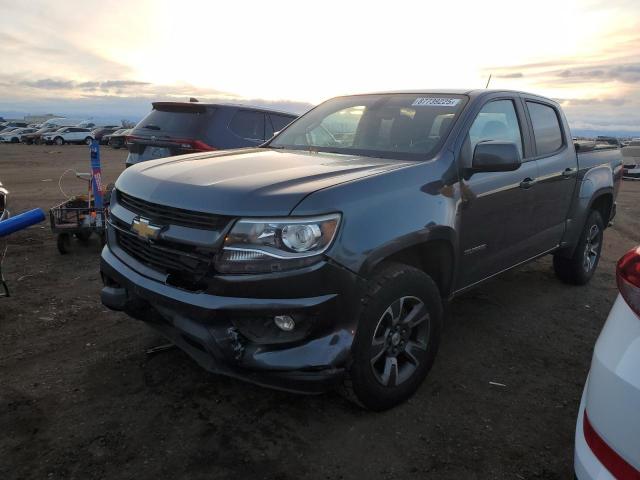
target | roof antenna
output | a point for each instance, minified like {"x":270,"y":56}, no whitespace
{"x":488,"y":81}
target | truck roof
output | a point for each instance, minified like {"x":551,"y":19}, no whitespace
{"x":457,"y":91}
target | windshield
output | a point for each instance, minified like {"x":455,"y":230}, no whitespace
{"x":400,"y":126}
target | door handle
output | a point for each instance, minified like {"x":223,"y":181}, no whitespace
{"x":528,"y":183}
{"x":569,"y":172}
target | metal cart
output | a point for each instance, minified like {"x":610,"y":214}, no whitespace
{"x":76,"y":218}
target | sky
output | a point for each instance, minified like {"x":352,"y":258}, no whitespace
{"x":112,"y":58}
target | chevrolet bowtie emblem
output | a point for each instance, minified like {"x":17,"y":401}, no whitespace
{"x":145,"y":229}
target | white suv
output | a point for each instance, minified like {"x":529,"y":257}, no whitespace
{"x":68,"y":135}
{"x":608,"y":427}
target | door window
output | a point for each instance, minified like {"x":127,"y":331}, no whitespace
{"x":496,"y":121}
{"x":546,"y":128}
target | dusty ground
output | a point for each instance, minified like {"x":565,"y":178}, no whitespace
{"x":80,"y":399}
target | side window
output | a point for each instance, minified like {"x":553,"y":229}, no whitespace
{"x":546,"y":128}
{"x":248,"y":125}
{"x":496,"y":121}
{"x":268,"y":127}
{"x":280,"y":121}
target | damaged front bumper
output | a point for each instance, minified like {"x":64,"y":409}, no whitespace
{"x":236,"y":336}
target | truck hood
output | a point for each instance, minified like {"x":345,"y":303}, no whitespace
{"x":245,"y":182}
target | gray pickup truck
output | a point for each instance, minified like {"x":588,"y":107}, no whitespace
{"x":322,"y":258}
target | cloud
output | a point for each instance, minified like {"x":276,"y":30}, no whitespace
{"x":49,"y":84}
{"x":625,"y":73}
{"x":510,"y":75}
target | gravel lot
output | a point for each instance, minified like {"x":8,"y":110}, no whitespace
{"x":80,"y":399}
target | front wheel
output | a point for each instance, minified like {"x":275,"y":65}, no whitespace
{"x":88,"y":140}
{"x":59,"y":141}
{"x":397,"y":338}
{"x":579,"y":269}
{"x":64,"y":243}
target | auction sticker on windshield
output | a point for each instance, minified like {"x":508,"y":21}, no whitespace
{"x":435,"y":102}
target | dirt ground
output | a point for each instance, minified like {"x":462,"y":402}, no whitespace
{"x":80,"y":399}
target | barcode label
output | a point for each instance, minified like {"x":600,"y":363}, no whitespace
{"x":435,"y":102}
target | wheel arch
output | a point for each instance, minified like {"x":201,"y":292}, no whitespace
{"x":602,"y":201}
{"x":432,"y":251}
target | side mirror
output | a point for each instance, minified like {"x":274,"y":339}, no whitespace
{"x":496,"y":156}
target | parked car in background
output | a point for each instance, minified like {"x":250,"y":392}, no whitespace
{"x":15,"y":135}
{"x":68,"y":135}
{"x":35,"y":137}
{"x":7,"y":125}
{"x":60,"y":122}
{"x":175,"y":128}
{"x":631,"y":157}
{"x":4,"y":208}
{"x":100,"y":132}
{"x":322,"y":257}
{"x":607,"y":441}
{"x":117,"y":139}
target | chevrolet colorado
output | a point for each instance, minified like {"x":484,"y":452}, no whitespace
{"x":323,"y":257}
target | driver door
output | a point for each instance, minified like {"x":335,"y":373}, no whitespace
{"x":496,"y":212}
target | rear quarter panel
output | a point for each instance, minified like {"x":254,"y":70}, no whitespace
{"x":599,"y":173}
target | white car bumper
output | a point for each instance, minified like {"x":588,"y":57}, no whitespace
{"x":611,"y":396}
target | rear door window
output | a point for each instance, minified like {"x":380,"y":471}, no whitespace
{"x":546,"y":128}
{"x":280,"y":121}
{"x":248,"y":124}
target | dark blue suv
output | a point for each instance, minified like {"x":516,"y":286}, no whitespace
{"x":176,"y":128}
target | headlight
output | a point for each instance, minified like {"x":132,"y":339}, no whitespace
{"x":259,"y":245}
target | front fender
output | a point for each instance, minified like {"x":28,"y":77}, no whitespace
{"x":430,"y":233}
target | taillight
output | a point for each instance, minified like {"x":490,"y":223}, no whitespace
{"x":613,"y":462}
{"x":195,"y":145}
{"x":200,"y":145}
{"x":628,"y":278}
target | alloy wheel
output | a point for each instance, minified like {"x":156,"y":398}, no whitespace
{"x":399,"y":342}
{"x":591,"y":248}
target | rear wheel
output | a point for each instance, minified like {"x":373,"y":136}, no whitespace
{"x":88,"y":140}
{"x":579,"y":269}
{"x":397,"y":338}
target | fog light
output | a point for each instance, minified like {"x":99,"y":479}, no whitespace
{"x":284,"y":322}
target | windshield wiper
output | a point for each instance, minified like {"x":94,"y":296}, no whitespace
{"x":152,"y":127}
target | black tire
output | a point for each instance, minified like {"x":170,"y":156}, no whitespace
{"x":88,"y":140}
{"x":58,"y":141}
{"x":578,"y":269}
{"x":83,"y":237}
{"x":64,"y":243}
{"x":379,"y":381}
